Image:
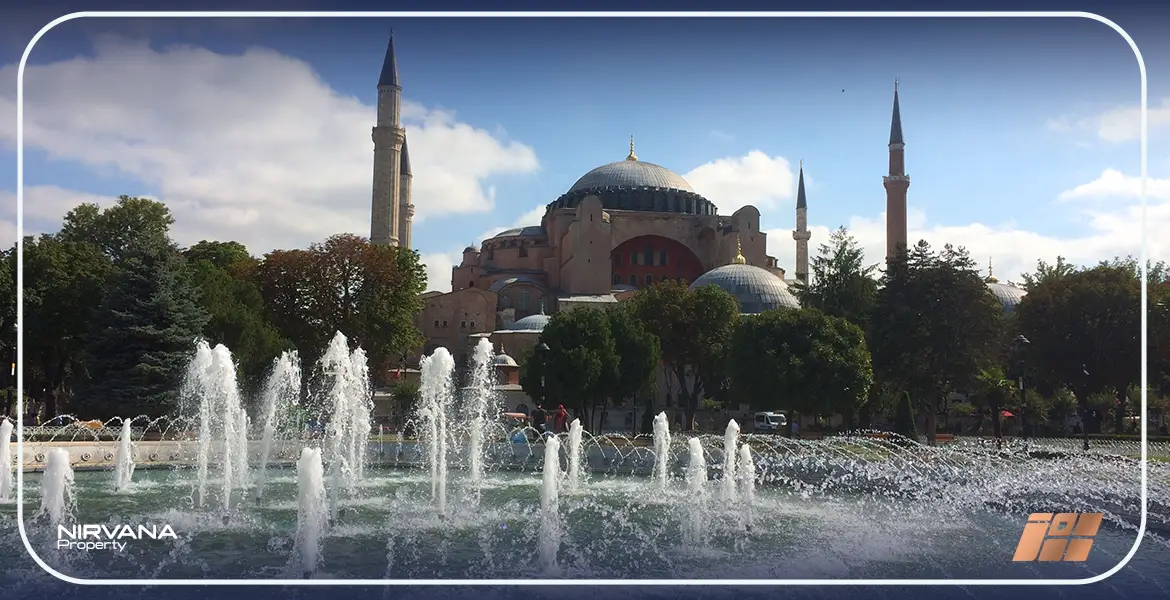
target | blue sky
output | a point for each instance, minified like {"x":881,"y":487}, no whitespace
{"x":1020,"y":139}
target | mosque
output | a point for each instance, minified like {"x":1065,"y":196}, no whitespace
{"x":620,"y":227}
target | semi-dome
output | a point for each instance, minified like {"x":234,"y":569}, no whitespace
{"x":756,"y":289}
{"x":530,"y":323}
{"x":631,"y":174}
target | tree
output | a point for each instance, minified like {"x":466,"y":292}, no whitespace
{"x":935,"y":326}
{"x":131,"y":227}
{"x":369,"y":292}
{"x":811,"y":362}
{"x":580,"y":366}
{"x":694,"y":329}
{"x":841,"y":284}
{"x":1084,"y":330}
{"x":906,"y":417}
{"x":142,"y":340}
{"x":993,"y":391}
{"x":1048,"y":272}
{"x":8,"y":324}
{"x":638,"y":357}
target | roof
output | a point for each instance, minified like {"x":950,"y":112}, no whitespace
{"x":599,"y":298}
{"x":801,"y":201}
{"x":404,"y":162}
{"x":530,"y":323}
{"x":1009,"y":296}
{"x":500,"y":284}
{"x":503,"y":360}
{"x":896,"y":120}
{"x":756,"y":289}
{"x":389,"y":76}
{"x":530,"y":231}
{"x":631,"y":174}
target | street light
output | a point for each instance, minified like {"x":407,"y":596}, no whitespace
{"x":542,"y":350}
{"x":1020,"y":345}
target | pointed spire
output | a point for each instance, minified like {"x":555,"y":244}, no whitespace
{"x":632,"y":156}
{"x":739,"y":259}
{"x":990,"y":273}
{"x":404,"y":162}
{"x":389,"y":75}
{"x":896,"y":120}
{"x":801,"y":201}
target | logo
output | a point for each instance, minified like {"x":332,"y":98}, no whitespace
{"x":1066,"y":537}
{"x":109,"y":537}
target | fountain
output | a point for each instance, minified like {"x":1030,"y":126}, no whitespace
{"x":57,"y":489}
{"x":694,"y":517}
{"x":5,"y":459}
{"x":549,"y":541}
{"x":436,"y":391}
{"x":747,"y":484}
{"x":281,"y":391}
{"x":124,"y":467}
{"x":730,"y":443}
{"x":661,"y":449}
{"x":480,"y":406}
{"x":575,"y":431}
{"x":211,"y":382}
{"x":350,"y":405}
{"x":311,"y":510}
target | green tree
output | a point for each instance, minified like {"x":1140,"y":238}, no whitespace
{"x":906,"y":417}
{"x":842,"y":285}
{"x":143,"y":337}
{"x":638,"y":357}
{"x":131,"y":227}
{"x":992,"y":391}
{"x":1046,"y":272}
{"x":935,"y":326}
{"x":580,"y":366}
{"x":224,"y":255}
{"x":811,"y":362}
{"x":694,"y":329}
{"x":1084,"y":330}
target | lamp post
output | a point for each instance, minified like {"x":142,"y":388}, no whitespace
{"x":542,"y":350}
{"x":1020,"y":346}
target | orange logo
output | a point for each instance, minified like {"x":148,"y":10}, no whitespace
{"x":1064,"y":537}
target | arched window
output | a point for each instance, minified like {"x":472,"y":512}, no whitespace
{"x":649,"y":280}
{"x":633,"y":280}
{"x":617,"y":279}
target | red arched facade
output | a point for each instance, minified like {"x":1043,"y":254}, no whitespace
{"x":648,"y":259}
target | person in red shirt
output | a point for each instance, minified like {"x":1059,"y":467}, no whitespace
{"x":561,"y":420}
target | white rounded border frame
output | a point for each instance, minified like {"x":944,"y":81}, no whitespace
{"x":565,"y":14}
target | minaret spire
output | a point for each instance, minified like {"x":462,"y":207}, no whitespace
{"x":897,"y":182}
{"x":801,"y":234}
{"x":389,"y":74}
{"x":632,"y":156}
{"x":386,"y":212}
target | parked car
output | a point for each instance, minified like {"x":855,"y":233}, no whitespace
{"x":770,"y":422}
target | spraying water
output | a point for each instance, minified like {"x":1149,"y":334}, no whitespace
{"x":5,"y":459}
{"x":351,"y":404}
{"x":694,"y":527}
{"x":480,"y":409}
{"x":747,"y":484}
{"x":661,"y":449}
{"x":211,"y":382}
{"x":57,"y":487}
{"x":575,"y":455}
{"x":436,"y":390}
{"x":280,"y":394}
{"x":549,"y":542}
{"x":194,"y":389}
{"x":730,"y":444}
{"x":124,"y":465}
{"x":311,"y":510}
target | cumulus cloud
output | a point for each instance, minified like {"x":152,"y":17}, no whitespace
{"x":253,"y":147}
{"x":763,"y":181}
{"x":1118,"y":124}
{"x":1113,"y":230}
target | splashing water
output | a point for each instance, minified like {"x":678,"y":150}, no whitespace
{"x":124,"y":467}
{"x":311,"y":510}
{"x":349,"y":421}
{"x":549,"y":542}
{"x":436,"y":391}
{"x":211,"y":382}
{"x":57,"y":487}
{"x":661,"y":449}
{"x":482,"y":402}
{"x":730,"y":443}
{"x":694,"y":525}
{"x":575,"y":455}
{"x":747,"y":484}
{"x":5,"y":459}
{"x":281,"y":391}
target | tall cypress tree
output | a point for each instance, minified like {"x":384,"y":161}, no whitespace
{"x":143,"y":337}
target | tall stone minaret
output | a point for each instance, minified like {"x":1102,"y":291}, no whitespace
{"x":405,"y":207}
{"x":388,"y":140}
{"x":896,"y":184}
{"x":801,"y":234}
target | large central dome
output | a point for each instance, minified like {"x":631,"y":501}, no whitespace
{"x":631,"y":174}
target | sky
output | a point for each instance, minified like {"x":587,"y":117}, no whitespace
{"x":1022,"y":136}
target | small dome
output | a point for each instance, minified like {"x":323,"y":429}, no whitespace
{"x":530,"y":231}
{"x":1009,"y":296}
{"x":756,"y":289}
{"x":503,"y":360}
{"x":631,"y":174}
{"x":530,"y":323}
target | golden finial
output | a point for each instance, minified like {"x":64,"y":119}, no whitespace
{"x":991,"y":273}
{"x":632,"y":156}
{"x":739,"y":259}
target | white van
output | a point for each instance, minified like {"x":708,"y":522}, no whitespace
{"x":770,"y":421}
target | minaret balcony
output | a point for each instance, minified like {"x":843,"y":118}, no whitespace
{"x":802,"y":236}
{"x":895,"y":178}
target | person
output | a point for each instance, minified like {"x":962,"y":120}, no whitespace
{"x":538,"y":419}
{"x":561,"y":420}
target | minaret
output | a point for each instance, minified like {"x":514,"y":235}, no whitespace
{"x":896,"y":184}
{"x":388,"y":140}
{"x":801,"y":234}
{"x":405,"y":207}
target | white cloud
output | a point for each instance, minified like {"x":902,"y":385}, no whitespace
{"x":439,"y":265}
{"x":755,"y":178}
{"x":252,"y":147}
{"x":44,"y":208}
{"x":527,"y":219}
{"x":1118,"y":124}
{"x":1113,"y":231}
